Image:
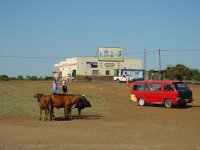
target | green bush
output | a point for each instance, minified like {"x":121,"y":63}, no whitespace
{"x":4,"y":78}
{"x":181,"y":72}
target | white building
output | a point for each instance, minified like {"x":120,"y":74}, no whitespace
{"x":91,"y":68}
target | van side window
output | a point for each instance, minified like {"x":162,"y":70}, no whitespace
{"x":155,"y":87}
{"x":140,"y":87}
{"x":168,"y":87}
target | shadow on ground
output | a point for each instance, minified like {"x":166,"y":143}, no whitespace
{"x":174,"y":106}
{"x":83,"y":117}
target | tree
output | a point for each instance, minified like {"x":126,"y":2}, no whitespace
{"x":195,"y":74}
{"x":20,"y":77}
{"x":4,"y":78}
{"x":33,"y":78}
{"x":181,"y":72}
{"x":28,"y":77}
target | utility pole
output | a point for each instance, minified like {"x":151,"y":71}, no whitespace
{"x":145,"y":60}
{"x":145,"y":75}
{"x":159,"y":58}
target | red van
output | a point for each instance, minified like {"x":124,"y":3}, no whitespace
{"x":167,"y":92}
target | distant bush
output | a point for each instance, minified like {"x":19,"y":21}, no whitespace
{"x":181,"y":72}
{"x":4,"y":78}
{"x":20,"y":77}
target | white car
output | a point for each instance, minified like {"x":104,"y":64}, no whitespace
{"x":123,"y":78}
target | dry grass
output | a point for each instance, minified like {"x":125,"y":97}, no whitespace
{"x":112,"y":123}
{"x":16,"y":97}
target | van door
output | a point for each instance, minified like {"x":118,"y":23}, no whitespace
{"x":169,"y":92}
{"x":155,"y":93}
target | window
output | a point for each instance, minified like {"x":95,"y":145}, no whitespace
{"x":92,"y":64}
{"x":107,"y":72}
{"x":140,"y":87}
{"x":95,"y":72}
{"x":168,"y":87}
{"x":180,"y":86}
{"x":155,"y":87}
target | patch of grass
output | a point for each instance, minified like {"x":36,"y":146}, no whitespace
{"x":16,"y":97}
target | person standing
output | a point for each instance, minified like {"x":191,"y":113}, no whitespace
{"x":55,"y":85}
{"x":69,"y":77}
{"x":127,"y":79}
{"x":64,"y":87}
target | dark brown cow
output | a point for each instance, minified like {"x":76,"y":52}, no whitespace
{"x":66,"y":101}
{"x":44,"y":101}
{"x":83,"y":103}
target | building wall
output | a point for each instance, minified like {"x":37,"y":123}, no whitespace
{"x":90,"y":67}
{"x":66,"y":67}
{"x":83,"y":65}
{"x":132,"y":64}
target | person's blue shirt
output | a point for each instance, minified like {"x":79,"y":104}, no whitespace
{"x":55,"y":87}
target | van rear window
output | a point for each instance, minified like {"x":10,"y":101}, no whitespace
{"x":180,"y":86}
{"x":140,"y":87}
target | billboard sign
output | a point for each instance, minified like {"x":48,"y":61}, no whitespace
{"x":137,"y":74}
{"x":111,"y":54}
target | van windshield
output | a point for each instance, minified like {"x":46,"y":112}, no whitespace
{"x":180,"y":86}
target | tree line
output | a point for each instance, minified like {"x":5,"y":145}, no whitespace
{"x":20,"y":77}
{"x":178,"y":72}
{"x":181,"y":72}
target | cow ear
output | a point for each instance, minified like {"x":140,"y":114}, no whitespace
{"x":40,"y":95}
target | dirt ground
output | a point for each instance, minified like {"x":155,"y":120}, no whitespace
{"x":122,"y":126}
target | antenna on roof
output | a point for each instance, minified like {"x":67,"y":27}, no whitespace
{"x":97,"y":53}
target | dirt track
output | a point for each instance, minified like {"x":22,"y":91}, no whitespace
{"x":122,"y":126}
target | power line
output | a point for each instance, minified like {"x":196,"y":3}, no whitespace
{"x":181,"y":50}
{"x":141,"y":52}
{"x":63,"y":57}
{"x":40,"y":57}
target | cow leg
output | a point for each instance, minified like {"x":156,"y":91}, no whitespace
{"x":51,"y":113}
{"x":40,"y":114}
{"x":79,"y":113}
{"x":66,"y":113}
{"x":70,"y":113}
{"x":46,"y":114}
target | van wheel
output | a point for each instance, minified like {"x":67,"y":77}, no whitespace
{"x":168,"y":103}
{"x":141,"y":102}
{"x":117,"y":80}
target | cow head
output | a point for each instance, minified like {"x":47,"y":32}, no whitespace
{"x":38,"y":96}
{"x":86,"y":102}
{"x":83,"y":103}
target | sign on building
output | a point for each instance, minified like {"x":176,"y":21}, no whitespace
{"x":111,"y":54}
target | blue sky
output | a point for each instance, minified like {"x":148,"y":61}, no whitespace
{"x":68,"y":28}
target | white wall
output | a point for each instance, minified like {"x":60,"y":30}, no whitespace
{"x":79,"y":64}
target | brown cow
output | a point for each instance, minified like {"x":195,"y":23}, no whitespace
{"x":44,"y":102}
{"x":66,"y":101}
